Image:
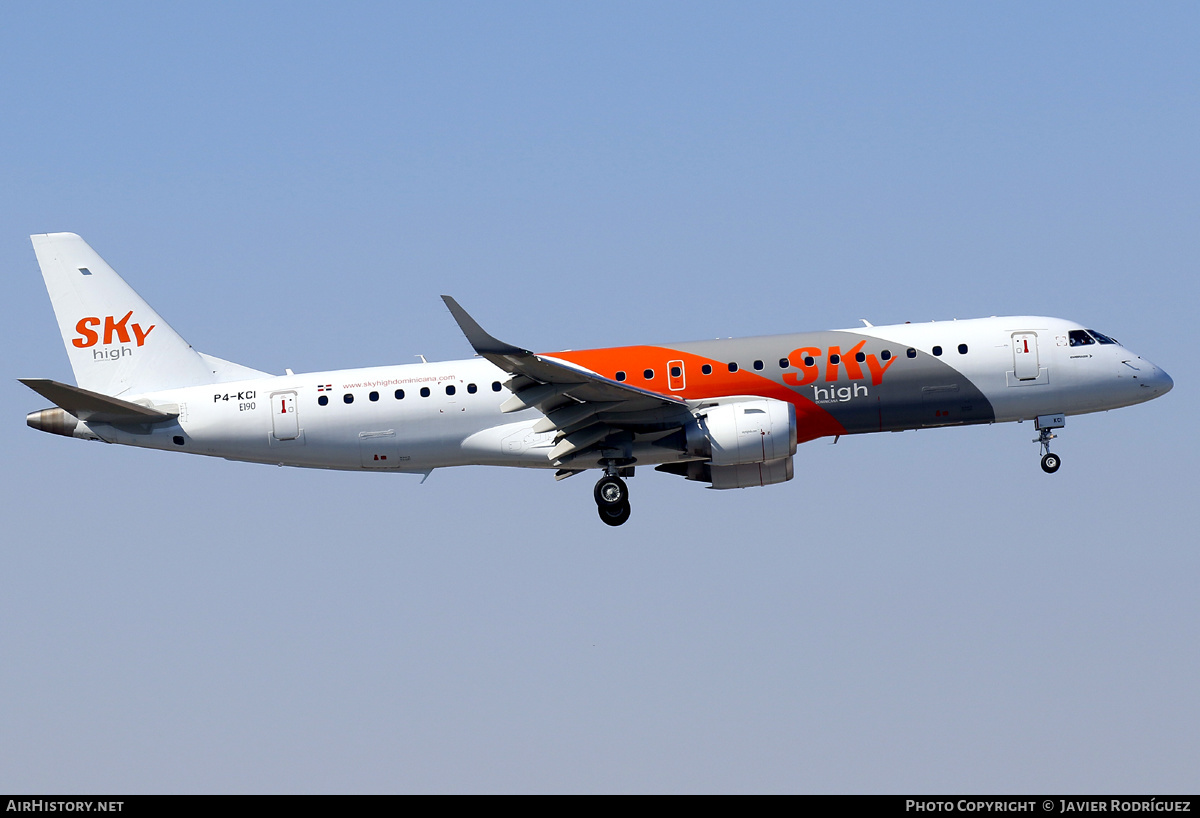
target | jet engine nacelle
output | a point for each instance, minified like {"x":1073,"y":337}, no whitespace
{"x":750,"y":430}
{"x":751,"y":474}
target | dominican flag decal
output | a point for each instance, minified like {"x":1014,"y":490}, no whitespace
{"x":325,"y":388}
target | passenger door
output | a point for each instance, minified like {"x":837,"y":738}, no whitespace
{"x":285,"y":423}
{"x":1025,"y":356}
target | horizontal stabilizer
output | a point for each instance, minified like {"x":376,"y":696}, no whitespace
{"x":94,"y":407}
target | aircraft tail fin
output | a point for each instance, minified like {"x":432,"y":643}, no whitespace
{"x":115,"y":341}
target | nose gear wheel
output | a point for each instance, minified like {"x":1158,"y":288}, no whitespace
{"x":1050,"y":462}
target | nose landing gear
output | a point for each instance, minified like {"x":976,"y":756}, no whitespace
{"x":612,"y":498}
{"x":1045,"y":423}
{"x":1050,"y":463}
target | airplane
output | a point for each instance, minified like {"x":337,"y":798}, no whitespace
{"x":730,"y":413}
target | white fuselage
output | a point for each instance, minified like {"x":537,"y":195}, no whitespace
{"x":416,"y":417}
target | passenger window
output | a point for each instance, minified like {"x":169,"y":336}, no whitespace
{"x":374,"y":396}
{"x":323,"y":400}
{"x":835,"y":359}
{"x":784,"y":363}
{"x":858,"y":356}
{"x":706,"y":369}
{"x":808,"y":360}
{"x":912,"y":353}
{"x":450,"y":390}
{"x":886,"y":355}
{"x":733,"y":367}
{"x":399,"y":394}
{"x":472,"y":389}
{"x":676,"y":372}
{"x":962,"y":349}
{"x":621,"y":376}
{"x":347,"y":398}
{"x":937,"y":350}
{"x":758,"y":365}
{"x":495,"y":386}
{"x":424,"y":391}
{"x":648,"y":374}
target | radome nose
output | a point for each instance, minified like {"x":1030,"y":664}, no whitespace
{"x":1159,"y":381}
{"x":1165,"y":382}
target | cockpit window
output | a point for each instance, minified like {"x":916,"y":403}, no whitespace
{"x":1080,"y":338}
{"x":1104,"y":339}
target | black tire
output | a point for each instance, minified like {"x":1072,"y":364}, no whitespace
{"x":1050,"y":463}
{"x":611,"y":492}
{"x":614,"y":515}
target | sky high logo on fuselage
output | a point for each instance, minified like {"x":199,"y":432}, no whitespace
{"x":114,"y":331}
{"x":811,"y":360}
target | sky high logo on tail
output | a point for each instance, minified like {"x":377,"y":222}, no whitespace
{"x":89,"y":337}
{"x":113,"y":331}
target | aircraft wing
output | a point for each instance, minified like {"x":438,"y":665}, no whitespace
{"x":590,"y":412}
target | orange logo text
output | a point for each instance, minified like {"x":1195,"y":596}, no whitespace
{"x":810,"y":361}
{"x":89,"y":337}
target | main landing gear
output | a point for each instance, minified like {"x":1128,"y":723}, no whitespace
{"x":1045,"y":423}
{"x":612,"y":498}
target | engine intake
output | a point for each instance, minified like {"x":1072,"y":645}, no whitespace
{"x":754,"y":430}
{"x":745,"y":441}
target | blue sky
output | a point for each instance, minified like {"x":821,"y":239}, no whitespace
{"x":294,"y":186}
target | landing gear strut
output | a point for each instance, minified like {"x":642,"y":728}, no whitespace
{"x":612,"y":497}
{"x":1045,"y":423}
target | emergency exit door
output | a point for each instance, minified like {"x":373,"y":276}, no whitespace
{"x":676,"y":379}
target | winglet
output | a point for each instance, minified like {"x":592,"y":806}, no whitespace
{"x":483,"y":343}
